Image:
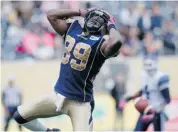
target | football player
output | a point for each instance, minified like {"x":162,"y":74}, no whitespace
{"x":155,"y":87}
{"x":87,"y":48}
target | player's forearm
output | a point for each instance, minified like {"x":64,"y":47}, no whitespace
{"x":115,"y":42}
{"x":62,"y":13}
{"x":134,"y":96}
{"x":115,"y":37}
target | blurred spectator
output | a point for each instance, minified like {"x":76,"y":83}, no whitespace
{"x":4,"y":28}
{"x":13,"y":37}
{"x":131,"y":43}
{"x":49,"y":5}
{"x":11,"y":99}
{"x":169,"y":38}
{"x":38,"y":42}
{"x":118,"y":90}
{"x":129,"y":15}
{"x":150,"y":46}
{"x":88,"y":5}
{"x":144,"y":23}
{"x":18,"y":17}
{"x":156,"y":18}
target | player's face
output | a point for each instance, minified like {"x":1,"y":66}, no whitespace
{"x":11,"y":83}
{"x":94,"y":24}
{"x":95,"y":21}
{"x":151,"y":72}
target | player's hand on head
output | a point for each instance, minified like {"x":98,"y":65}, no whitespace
{"x":112,"y":19}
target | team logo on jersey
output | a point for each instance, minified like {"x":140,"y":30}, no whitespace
{"x":94,"y":38}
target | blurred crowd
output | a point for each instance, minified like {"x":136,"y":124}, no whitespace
{"x":149,"y":29}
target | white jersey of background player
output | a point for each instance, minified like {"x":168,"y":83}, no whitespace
{"x":155,"y":87}
{"x":153,"y":82}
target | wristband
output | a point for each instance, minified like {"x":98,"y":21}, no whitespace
{"x":111,"y":26}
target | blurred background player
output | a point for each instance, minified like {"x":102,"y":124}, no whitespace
{"x":155,"y":87}
{"x":86,"y":51}
{"x":117,"y":91}
{"x":11,"y":99}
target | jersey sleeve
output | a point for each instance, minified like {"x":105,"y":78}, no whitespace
{"x":69,"y":22}
{"x":163,"y":82}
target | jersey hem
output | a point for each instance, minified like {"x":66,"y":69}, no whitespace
{"x":70,"y":97}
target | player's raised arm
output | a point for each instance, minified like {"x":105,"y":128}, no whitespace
{"x":123,"y":102}
{"x":111,"y":46}
{"x":138,"y":94}
{"x":57,"y":18}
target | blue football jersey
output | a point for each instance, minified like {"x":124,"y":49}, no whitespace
{"x":80,"y":64}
